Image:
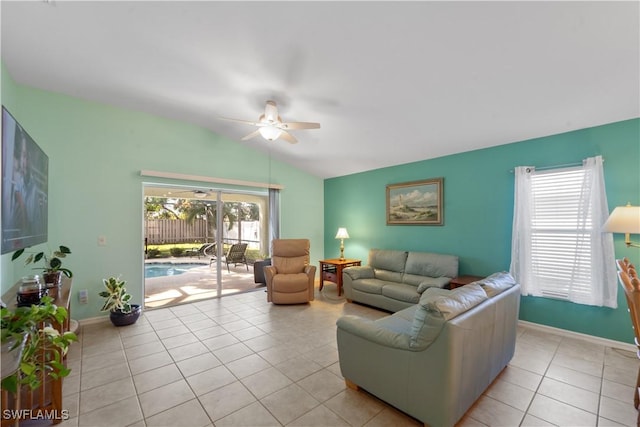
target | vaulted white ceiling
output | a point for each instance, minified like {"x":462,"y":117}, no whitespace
{"x":389,"y":82}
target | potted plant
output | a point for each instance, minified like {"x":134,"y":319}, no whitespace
{"x":31,"y":347}
{"x":52,"y":269}
{"x":122,"y":312}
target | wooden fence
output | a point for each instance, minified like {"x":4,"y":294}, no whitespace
{"x":163,"y":231}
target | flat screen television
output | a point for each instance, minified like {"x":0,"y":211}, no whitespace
{"x":25,"y":186}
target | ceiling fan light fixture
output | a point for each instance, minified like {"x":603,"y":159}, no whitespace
{"x":270,"y":133}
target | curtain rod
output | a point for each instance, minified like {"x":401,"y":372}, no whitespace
{"x":565,"y":165}
{"x":174,"y":175}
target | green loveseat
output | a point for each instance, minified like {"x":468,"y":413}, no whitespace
{"x":394,"y":280}
{"x":434,"y":359}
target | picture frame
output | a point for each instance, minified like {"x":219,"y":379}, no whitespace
{"x":416,"y":202}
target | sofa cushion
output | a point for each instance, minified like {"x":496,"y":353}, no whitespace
{"x":432,"y":282}
{"x":387,"y":260}
{"x":370,"y":286}
{"x":359,"y":272}
{"x":431,"y":264}
{"x":388,"y":275}
{"x":456,"y":302}
{"x":496,"y":283}
{"x":401,"y":292}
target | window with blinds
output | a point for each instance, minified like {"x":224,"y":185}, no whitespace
{"x":561,"y":233}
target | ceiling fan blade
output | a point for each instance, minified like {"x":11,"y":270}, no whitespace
{"x":299,"y":125}
{"x":247,"y":122}
{"x":288,"y":137}
{"x":251,"y":135}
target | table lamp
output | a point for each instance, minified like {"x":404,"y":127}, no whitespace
{"x":342,"y":234}
{"x":624,"y":219}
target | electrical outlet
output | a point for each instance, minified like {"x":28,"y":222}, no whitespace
{"x":83,"y":296}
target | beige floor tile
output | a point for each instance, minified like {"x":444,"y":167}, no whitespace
{"x":531,"y":421}
{"x":179,"y":340}
{"x":144,"y":350}
{"x":561,"y":414}
{"x":577,"y":364}
{"x":253,"y":415}
{"x":247,"y":365}
{"x":257,"y":340}
{"x":165,"y":397}
{"x":189,"y":414}
{"x":187,"y":351}
{"x":197,"y":364}
{"x":232,"y":352}
{"x":219,"y":341}
{"x":155,"y":378}
{"x":618,"y":411}
{"x":147,"y":363}
{"x":521,"y":377}
{"x":356,"y":407}
{"x":226,"y":400}
{"x":265,"y":382}
{"x":603,"y":422}
{"x":322,"y":385}
{"x":289,"y":403}
{"x":121,"y":413}
{"x":614,"y":390}
{"x":205,"y":323}
{"x":392,"y":417}
{"x":320,"y":416}
{"x":626,"y":375}
{"x":106,"y":394}
{"x":210,"y":332}
{"x":495,"y":413}
{"x":572,"y":395}
{"x":510,"y":394}
{"x":576,"y":378}
{"x":298,"y":368}
{"x":100,"y":377}
{"x":103,"y":360}
{"x":172,"y":331}
{"x":211,"y":379}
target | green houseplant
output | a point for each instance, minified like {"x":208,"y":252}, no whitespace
{"x":52,"y":269}
{"x":42,"y":347}
{"x":121,"y":311}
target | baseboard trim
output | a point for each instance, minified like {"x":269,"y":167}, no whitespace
{"x":93,"y":320}
{"x":590,"y":338}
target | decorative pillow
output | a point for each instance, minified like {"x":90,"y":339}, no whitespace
{"x":456,"y":302}
{"x":496,"y":283}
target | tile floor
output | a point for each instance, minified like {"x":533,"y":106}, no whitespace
{"x":239,"y":361}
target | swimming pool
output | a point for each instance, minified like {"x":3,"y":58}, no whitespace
{"x":160,"y":269}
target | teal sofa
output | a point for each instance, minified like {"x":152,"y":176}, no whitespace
{"x":434,"y":359}
{"x":394,"y":280}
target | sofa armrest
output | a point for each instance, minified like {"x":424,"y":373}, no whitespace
{"x":370,"y":331}
{"x":359,"y":272}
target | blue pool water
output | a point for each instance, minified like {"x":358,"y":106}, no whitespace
{"x":159,"y":269}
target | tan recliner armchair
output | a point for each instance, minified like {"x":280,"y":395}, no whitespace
{"x":290,"y":278}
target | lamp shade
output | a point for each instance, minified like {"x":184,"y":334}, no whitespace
{"x":342,"y":233}
{"x":270,"y":133}
{"x":623,"y":219}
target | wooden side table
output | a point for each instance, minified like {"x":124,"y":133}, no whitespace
{"x":331,"y":270}
{"x":456,"y":282}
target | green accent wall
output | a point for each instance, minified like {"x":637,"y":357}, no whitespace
{"x":478,"y":212}
{"x":96,"y":153}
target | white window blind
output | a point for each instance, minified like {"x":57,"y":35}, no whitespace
{"x":560,"y":233}
{"x":558,"y":248}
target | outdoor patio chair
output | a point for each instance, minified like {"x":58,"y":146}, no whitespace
{"x":236,"y":255}
{"x":201,"y":251}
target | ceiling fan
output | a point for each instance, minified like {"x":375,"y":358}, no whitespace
{"x":271,"y":126}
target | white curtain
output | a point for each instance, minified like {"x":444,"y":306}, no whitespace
{"x":593,"y":200}
{"x":521,"y":268}
{"x":604,"y":278}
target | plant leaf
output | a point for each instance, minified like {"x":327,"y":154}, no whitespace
{"x":16,"y":254}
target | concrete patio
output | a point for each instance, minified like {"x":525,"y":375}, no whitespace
{"x":196,"y":283}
